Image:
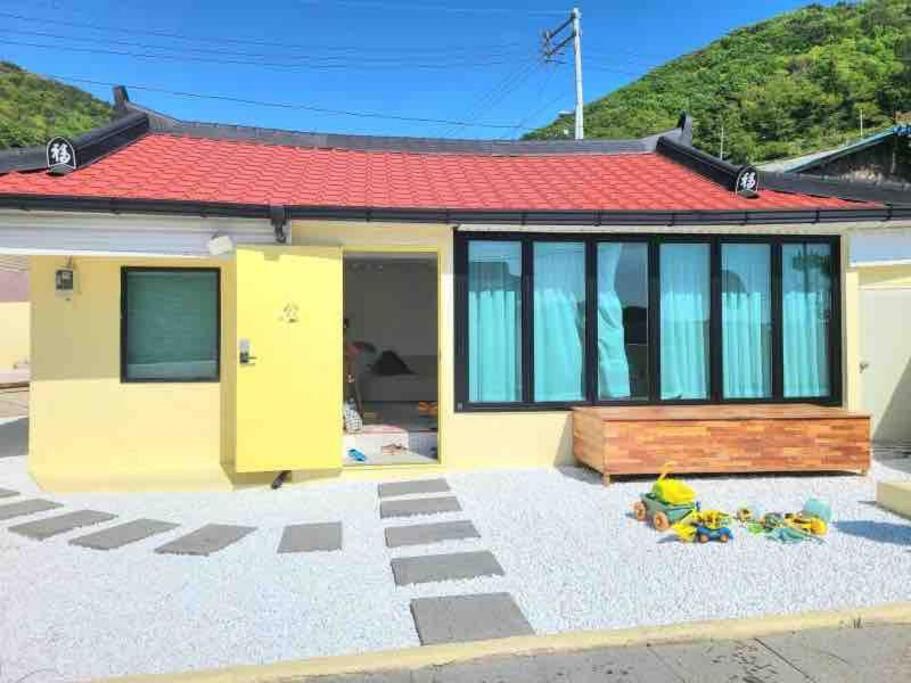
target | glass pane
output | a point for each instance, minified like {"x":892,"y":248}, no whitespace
{"x":494,"y":321}
{"x":685,"y":301}
{"x":622,"y":320}
{"x":806,"y":289}
{"x":172,"y":324}
{"x":559,"y":315}
{"x":746,"y":319}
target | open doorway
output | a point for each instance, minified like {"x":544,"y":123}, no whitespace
{"x":391,"y":364}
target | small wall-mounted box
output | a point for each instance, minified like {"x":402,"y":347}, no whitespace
{"x":65,"y":281}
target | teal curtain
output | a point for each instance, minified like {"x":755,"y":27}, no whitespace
{"x":494,"y":321}
{"x":172,"y":324}
{"x":685,"y":300}
{"x":746,"y":314}
{"x":613,"y":366}
{"x":559,"y":321}
{"x":806,"y":288}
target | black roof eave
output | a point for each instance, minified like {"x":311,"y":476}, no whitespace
{"x":452,"y":216}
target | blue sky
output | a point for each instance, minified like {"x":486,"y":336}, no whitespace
{"x":467,"y":61}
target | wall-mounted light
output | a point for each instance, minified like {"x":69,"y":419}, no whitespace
{"x":220,"y":244}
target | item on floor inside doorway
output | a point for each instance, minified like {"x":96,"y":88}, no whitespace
{"x":356,"y":455}
{"x":352,"y":418}
{"x":704,"y":526}
{"x":428,"y":408}
{"x":394,"y":449}
{"x":390,"y":363}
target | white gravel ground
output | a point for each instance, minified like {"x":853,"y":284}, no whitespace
{"x":573,"y":557}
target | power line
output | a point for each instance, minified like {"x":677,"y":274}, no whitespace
{"x":287,"y":105}
{"x":244,"y":41}
{"x":376,"y":4}
{"x":237,"y":62}
{"x":516,"y":84}
{"x":331,"y":61}
{"x":485,"y":101}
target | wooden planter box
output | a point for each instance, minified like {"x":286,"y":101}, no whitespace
{"x":748,"y":438}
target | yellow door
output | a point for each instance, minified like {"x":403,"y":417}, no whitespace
{"x":289,"y":356}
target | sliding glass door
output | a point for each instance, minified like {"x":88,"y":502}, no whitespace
{"x":494,"y":322}
{"x":547,"y":321}
{"x":559,"y":321}
{"x":806,"y":285}
{"x":622,"y":314}
{"x":685,"y":315}
{"x":746,"y":320}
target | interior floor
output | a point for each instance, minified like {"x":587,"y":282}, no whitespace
{"x":391,"y":360}
{"x":394,"y":433}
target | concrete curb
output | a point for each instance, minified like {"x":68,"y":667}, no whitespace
{"x":435,"y":655}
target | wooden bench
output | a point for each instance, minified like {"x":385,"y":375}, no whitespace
{"x":721,"y":438}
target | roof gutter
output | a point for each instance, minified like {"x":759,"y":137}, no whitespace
{"x":279,"y":214}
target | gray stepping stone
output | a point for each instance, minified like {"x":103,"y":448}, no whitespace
{"x":403,"y":488}
{"x":446,"y":567}
{"x":460,"y":618}
{"x":418,"y":534}
{"x":123,"y":534}
{"x":8,"y":493}
{"x":308,"y":538}
{"x":26,"y":507}
{"x":419,"y":506}
{"x":41,"y":529}
{"x":206,"y":540}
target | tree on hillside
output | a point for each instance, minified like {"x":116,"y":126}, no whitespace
{"x":783,"y":87}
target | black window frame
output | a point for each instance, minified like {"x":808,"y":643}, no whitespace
{"x":124,"y":332}
{"x":653,"y":241}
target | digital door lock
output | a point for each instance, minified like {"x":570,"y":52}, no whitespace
{"x":245,"y":356}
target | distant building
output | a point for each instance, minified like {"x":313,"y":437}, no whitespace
{"x":883,"y":157}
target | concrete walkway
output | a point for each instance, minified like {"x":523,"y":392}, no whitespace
{"x":872,"y":653}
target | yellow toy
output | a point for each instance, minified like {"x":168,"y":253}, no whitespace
{"x":704,"y":526}
{"x":672,"y":491}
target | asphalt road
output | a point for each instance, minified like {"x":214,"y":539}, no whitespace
{"x":873,"y":653}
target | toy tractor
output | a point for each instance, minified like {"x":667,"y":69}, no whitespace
{"x":669,"y":501}
{"x":660,"y":514}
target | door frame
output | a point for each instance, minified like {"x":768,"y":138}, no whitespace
{"x":347,"y":251}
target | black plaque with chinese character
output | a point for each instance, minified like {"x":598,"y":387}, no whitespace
{"x":61,"y":156}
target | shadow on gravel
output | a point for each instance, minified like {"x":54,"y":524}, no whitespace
{"x":14,"y":438}
{"x":882,"y":532}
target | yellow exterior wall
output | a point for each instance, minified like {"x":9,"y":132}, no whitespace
{"x":89,"y":430}
{"x":467,"y":440}
{"x":14,"y":339}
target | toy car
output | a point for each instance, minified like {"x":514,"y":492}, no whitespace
{"x":704,"y":534}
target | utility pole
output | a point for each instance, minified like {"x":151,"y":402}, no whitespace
{"x":721,"y":146}
{"x":549,"y":50}
{"x":861,"y":123}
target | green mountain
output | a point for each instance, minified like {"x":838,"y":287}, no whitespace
{"x":34,"y":109}
{"x":791,"y":85}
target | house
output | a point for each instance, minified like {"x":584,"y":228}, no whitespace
{"x":883,"y":157}
{"x":206,"y":298}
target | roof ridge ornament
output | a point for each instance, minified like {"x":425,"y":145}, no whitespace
{"x":61,"y":156}
{"x":747,"y":182}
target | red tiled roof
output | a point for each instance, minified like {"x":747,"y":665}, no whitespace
{"x":172,"y":167}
